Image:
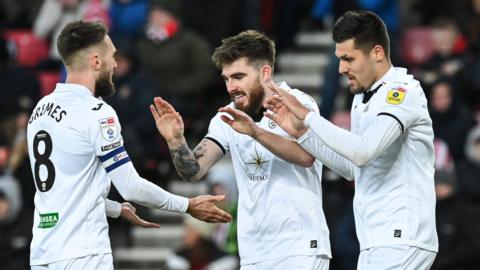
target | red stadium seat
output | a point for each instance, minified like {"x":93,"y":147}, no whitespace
{"x":417,"y":45}
{"x":29,"y":49}
{"x":48,"y":80}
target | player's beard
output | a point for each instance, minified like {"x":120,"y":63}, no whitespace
{"x":104,"y":86}
{"x":255,"y":100}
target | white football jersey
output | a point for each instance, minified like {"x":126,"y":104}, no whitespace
{"x":394,"y":199}
{"x":280,"y":210}
{"x":70,"y":134}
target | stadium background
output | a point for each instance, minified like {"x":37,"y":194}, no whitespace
{"x":164,"y":49}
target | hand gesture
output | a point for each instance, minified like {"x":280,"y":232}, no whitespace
{"x":282,"y":115}
{"x":128,"y":213}
{"x":203,"y":208}
{"x":241,"y":122}
{"x":291,"y":102}
{"x":168,"y":121}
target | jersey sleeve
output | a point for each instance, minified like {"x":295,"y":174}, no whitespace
{"x":106,"y":138}
{"x":403,"y":105}
{"x":218,"y":132}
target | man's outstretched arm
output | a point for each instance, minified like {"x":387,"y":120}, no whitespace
{"x":190,"y":165}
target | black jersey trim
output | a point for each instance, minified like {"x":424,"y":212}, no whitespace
{"x":217,"y":143}
{"x":394,"y":117}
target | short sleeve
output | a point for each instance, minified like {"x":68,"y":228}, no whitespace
{"x":106,"y":138}
{"x":403,"y":104}
{"x":218,"y":133}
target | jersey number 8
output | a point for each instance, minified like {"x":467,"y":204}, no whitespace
{"x":43,"y":159}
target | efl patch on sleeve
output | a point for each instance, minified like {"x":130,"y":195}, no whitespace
{"x":109,"y":129}
{"x":396,"y":95}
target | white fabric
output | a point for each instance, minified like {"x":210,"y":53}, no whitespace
{"x":113,"y":209}
{"x":73,"y":132}
{"x":280,"y":204}
{"x":395,"y":258}
{"x":98,"y":262}
{"x":317,"y":262}
{"x":392,"y":147}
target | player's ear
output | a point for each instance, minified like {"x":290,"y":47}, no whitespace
{"x":378,"y":53}
{"x":266,"y":73}
{"x":95,"y":61}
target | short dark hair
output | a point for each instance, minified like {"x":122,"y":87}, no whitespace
{"x":77,"y":36}
{"x":253,"y":45}
{"x":365,"y":28}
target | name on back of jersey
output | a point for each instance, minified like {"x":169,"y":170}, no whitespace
{"x":109,"y":129}
{"x":51,"y":109}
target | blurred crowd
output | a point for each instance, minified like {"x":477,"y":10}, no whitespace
{"x":164,"y":49}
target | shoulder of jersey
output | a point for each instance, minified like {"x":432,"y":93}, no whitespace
{"x":397,"y":91}
{"x":303,"y":97}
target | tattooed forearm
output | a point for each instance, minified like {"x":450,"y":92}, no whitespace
{"x":185,"y":162}
{"x":199,"y":151}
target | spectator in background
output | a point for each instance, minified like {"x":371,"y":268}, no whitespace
{"x":199,"y":252}
{"x":177,"y":59}
{"x":449,"y":58}
{"x":221,"y":180}
{"x":128,"y":18}
{"x":55,"y":14}
{"x":448,"y":211}
{"x":15,"y":226}
{"x":457,"y":210}
{"x":451,"y":118}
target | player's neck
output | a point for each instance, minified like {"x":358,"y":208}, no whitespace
{"x":382,"y":69}
{"x":81,"y":78}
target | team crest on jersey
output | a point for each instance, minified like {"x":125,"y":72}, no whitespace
{"x":109,"y":129}
{"x":396,"y":95}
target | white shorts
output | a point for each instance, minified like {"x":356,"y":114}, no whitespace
{"x":318,"y":262}
{"x":97,"y":261}
{"x":395,"y":257}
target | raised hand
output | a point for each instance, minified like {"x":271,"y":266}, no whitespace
{"x":168,"y":121}
{"x":281,"y":115}
{"x":128,"y":213}
{"x":203,"y":208}
{"x":241,"y":122}
{"x":292,"y":103}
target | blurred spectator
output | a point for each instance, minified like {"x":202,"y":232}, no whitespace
{"x":199,"y":252}
{"x":469,"y":169}
{"x":177,"y":59}
{"x":221,"y":180}
{"x":458,"y":204}
{"x":55,"y":14}
{"x":18,"y":13}
{"x":449,"y":58}
{"x":15,"y":227}
{"x":451,"y":118}
{"x":448,"y":212}
{"x":128,"y":18}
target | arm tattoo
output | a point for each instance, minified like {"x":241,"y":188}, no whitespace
{"x":200,"y":150}
{"x":185,"y":162}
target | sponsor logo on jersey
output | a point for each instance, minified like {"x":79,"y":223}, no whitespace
{"x":48,"y":220}
{"x":110,"y":146}
{"x":271,"y":124}
{"x":396,"y":95}
{"x":313,"y":244}
{"x":259,"y":166}
{"x":109,"y":128}
{"x":99,"y":106}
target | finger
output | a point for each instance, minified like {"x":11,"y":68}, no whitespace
{"x":154,"y":112}
{"x":226,"y":119}
{"x":147,"y":224}
{"x":168,"y":107}
{"x":216,"y":198}
{"x":159,"y":106}
{"x":276,"y":89}
{"x":233,"y":112}
{"x":271,"y":115}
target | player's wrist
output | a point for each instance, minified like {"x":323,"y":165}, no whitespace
{"x":175,"y":142}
